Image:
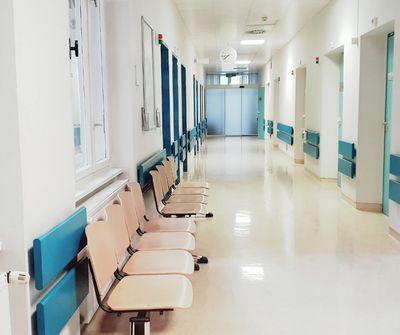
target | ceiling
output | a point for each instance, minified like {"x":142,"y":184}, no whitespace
{"x":215,"y":24}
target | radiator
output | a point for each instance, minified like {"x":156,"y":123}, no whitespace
{"x":4,"y":306}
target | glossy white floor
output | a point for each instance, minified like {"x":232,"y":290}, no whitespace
{"x":287,"y":255}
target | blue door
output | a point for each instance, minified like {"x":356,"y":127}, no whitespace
{"x":388,"y":120}
{"x":341,"y":105}
{"x":166,"y":112}
{"x":260,"y":116}
{"x":176,"y":111}
{"x":184,"y":114}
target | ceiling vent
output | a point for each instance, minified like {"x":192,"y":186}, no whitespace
{"x":256,"y":32}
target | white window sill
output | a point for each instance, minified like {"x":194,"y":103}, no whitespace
{"x":94,"y":182}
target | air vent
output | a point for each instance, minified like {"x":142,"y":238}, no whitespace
{"x":240,"y":68}
{"x":256,"y":32}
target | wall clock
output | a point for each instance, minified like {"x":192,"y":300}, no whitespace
{"x":228,"y":55}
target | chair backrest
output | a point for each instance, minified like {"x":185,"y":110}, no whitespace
{"x":171,"y":161}
{"x":119,"y":232}
{"x":169,"y":173}
{"x":138,"y":201}
{"x":157,"y":188}
{"x":101,"y":254}
{"x":163,"y":177}
{"x":129,"y":212}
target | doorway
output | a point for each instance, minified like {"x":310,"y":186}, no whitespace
{"x":387,"y":122}
{"x":184,"y":114}
{"x":300,"y":114}
{"x":232,"y":111}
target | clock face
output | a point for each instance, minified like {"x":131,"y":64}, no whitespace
{"x":228,"y":55}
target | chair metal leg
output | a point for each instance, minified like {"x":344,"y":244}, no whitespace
{"x":140,"y":324}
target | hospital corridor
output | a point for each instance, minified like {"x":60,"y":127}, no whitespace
{"x":187,"y":167}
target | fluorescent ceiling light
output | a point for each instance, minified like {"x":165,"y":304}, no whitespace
{"x":242,"y":62}
{"x":252,"y":42}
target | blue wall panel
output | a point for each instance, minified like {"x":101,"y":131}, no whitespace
{"x":395,"y":165}
{"x":347,"y":168}
{"x":347,"y":150}
{"x":285,"y":137}
{"x":312,"y":137}
{"x":285,"y":128}
{"x":57,"y":307}
{"x":54,"y":251}
{"x":311,"y":150}
{"x":394,"y":191}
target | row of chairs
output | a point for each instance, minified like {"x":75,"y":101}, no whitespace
{"x":149,"y":257}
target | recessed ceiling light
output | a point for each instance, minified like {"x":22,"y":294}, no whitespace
{"x":252,"y":42}
{"x":242,"y":62}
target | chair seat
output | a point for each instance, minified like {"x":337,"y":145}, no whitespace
{"x":171,"y":225}
{"x":195,"y":184}
{"x":189,"y":198}
{"x":166,"y":241}
{"x":190,"y":190}
{"x":141,"y":293}
{"x":183,"y":209}
{"x":160,"y":262}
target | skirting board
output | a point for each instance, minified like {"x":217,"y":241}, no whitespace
{"x":393,"y":233}
{"x":364,"y":206}
{"x":367,"y":207}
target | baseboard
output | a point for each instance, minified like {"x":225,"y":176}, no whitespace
{"x":368,"y":207}
{"x":393,"y":233}
{"x":299,"y":161}
{"x":349,"y":201}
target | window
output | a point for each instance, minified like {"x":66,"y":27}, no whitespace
{"x":89,"y":116}
{"x":238,"y":79}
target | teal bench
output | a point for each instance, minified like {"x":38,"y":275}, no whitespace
{"x":144,"y":168}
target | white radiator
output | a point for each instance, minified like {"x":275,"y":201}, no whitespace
{"x":4,"y":306}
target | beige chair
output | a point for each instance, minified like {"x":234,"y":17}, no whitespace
{"x":151,"y":240}
{"x":169,"y":192}
{"x":145,"y":262}
{"x":158,"y":224}
{"x":174,"y":209}
{"x":185,"y":184}
{"x":148,"y":241}
{"x":131,"y":294}
{"x":171,"y":177}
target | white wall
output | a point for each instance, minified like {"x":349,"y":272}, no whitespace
{"x":125,"y":99}
{"x":331,"y":30}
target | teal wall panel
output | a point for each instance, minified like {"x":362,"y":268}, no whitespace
{"x":55,"y":310}
{"x":285,"y":137}
{"x":54,"y":251}
{"x":312,"y":137}
{"x":395,"y":165}
{"x":311,"y":150}
{"x":347,"y":150}
{"x":394,"y":191}
{"x":285,"y":128}
{"x":347,"y":167}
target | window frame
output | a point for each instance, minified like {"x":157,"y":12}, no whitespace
{"x":89,"y":114}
